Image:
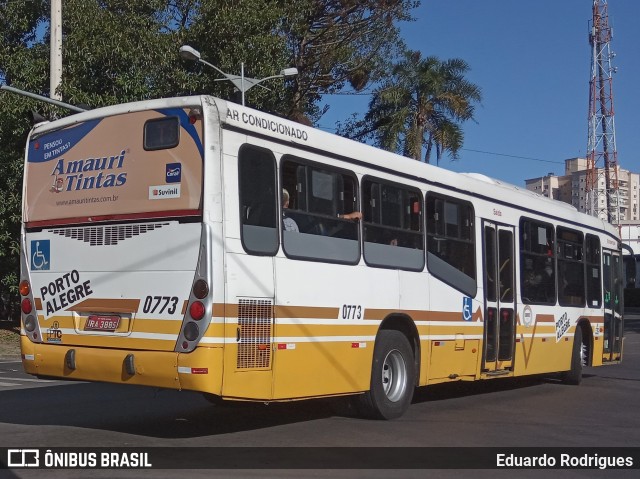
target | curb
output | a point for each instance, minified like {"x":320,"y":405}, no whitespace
{"x":11,"y":357}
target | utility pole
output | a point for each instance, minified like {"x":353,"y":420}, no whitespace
{"x":55,"y":46}
{"x":601,"y":148}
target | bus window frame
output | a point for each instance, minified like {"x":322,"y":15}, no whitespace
{"x":241,"y":212}
{"x":561,"y":247}
{"x":442,"y":269}
{"x":551,"y":253}
{"x":380,"y":182}
{"x":321,"y":219}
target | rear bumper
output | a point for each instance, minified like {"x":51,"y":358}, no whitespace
{"x":200,"y":370}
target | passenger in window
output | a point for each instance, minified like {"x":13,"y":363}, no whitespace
{"x":390,"y":238}
{"x":288,"y":223}
{"x":342,"y":229}
{"x":542,"y":281}
{"x":354,"y":216}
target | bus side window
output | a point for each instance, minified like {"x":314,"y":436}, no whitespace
{"x":594,"y":274}
{"x":321,"y":194}
{"x":451,"y":242}
{"x":537,"y":260}
{"x":571,"y":267}
{"x":258,"y":198}
{"x":393,"y":236}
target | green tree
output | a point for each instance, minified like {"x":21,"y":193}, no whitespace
{"x":116,"y":51}
{"x":335,"y":43}
{"x":230,"y":32}
{"x":22,"y":63}
{"x":422,"y":105}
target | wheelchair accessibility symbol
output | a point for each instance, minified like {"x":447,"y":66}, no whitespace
{"x":40,"y":255}
{"x":467,"y":313}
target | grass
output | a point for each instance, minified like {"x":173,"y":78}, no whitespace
{"x":9,"y":338}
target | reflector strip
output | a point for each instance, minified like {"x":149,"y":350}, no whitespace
{"x":358,"y":345}
{"x":286,"y":346}
{"x":188,"y":370}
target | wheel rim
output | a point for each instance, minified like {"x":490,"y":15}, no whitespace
{"x":394,"y":376}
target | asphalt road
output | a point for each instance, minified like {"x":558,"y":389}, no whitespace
{"x":534,"y":412}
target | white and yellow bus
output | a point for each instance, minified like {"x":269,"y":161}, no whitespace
{"x":156,"y":250}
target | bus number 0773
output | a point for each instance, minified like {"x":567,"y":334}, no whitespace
{"x":351,"y":311}
{"x":152,"y":303}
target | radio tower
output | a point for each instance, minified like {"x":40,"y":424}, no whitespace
{"x":602,"y":161}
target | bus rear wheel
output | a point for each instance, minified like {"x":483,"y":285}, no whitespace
{"x":392,"y":377}
{"x":578,"y":358}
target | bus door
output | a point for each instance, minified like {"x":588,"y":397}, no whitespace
{"x":613,"y":303}
{"x":499,"y":298}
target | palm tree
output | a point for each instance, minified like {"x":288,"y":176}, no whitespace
{"x":421,"y":106}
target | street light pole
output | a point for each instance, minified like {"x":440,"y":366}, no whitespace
{"x":242,"y":89}
{"x":241,"y":82}
{"x":55,"y":54}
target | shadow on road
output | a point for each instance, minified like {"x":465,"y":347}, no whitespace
{"x":167,"y":414}
{"x":170,"y":414}
{"x":148,"y":411}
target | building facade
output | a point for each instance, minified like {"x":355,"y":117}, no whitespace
{"x":570,"y":188}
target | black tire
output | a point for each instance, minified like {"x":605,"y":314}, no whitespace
{"x":392,"y":378}
{"x":574,"y":375}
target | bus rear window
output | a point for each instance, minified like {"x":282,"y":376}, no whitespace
{"x":161,"y":134}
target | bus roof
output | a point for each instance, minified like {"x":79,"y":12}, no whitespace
{"x":337,"y":146}
{"x":309,"y":138}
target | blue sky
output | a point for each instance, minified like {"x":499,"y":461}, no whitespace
{"x":532,"y":60}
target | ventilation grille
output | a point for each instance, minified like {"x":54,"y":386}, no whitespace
{"x":255,"y":324}
{"x":107,"y":235}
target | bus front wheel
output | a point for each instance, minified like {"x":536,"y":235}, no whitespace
{"x":392,"y":377}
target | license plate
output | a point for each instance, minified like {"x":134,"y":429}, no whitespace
{"x":102,"y":323}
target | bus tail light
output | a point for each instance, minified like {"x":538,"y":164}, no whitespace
{"x":26,"y":306}
{"x":191,"y":332}
{"x":197,"y":310}
{"x":25,"y":287}
{"x":200,"y":289}
{"x":30,"y":323}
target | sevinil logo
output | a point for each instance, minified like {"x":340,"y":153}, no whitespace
{"x":163,"y":192}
